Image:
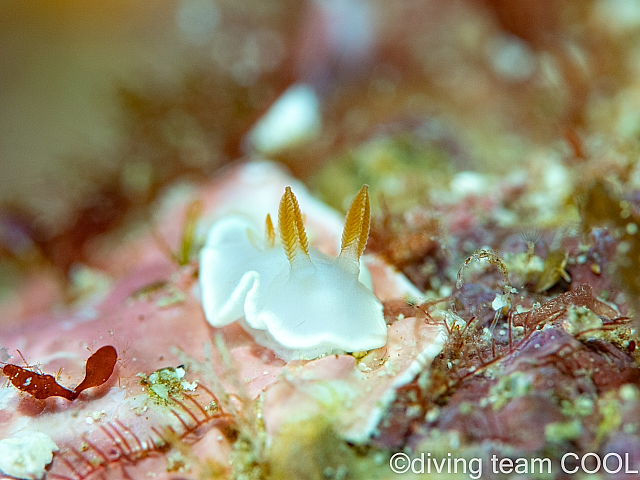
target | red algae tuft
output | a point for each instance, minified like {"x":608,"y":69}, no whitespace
{"x":41,"y":386}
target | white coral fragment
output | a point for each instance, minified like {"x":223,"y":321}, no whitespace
{"x":294,"y":299}
{"x":26,"y":455}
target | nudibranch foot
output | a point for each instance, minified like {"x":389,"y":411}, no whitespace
{"x":292,"y":298}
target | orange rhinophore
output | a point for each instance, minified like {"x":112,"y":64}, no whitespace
{"x":356,"y":226}
{"x":99,"y":368}
{"x":292,"y":233}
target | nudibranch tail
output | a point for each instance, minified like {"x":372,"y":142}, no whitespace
{"x":291,"y":226}
{"x":270,"y":232}
{"x":356,"y":227}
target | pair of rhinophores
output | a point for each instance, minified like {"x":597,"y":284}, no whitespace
{"x":291,"y":297}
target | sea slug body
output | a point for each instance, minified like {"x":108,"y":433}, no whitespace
{"x":292,"y":298}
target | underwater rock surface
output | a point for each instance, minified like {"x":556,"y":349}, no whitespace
{"x":150,"y":312}
{"x":524,"y":351}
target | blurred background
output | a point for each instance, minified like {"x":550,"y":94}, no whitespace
{"x":103,"y":106}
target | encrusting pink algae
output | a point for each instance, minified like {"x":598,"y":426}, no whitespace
{"x":349,"y":235}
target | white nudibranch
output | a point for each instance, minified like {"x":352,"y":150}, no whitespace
{"x":292,"y":298}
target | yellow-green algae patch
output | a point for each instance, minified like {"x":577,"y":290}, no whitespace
{"x":166,"y":383}
{"x":312,"y":450}
{"x":508,"y":388}
{"x":581,"y":319}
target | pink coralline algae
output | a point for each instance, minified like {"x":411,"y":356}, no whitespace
{"x":150,"y":311}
